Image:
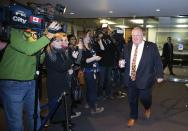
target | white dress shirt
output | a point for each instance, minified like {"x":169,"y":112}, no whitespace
{"x":139,"y":54}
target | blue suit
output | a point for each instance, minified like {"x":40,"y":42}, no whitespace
{"x":149,"y":69}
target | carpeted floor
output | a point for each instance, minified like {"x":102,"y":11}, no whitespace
{"x":169,"y":111}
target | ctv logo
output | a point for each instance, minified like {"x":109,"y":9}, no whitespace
{"x":18,"y":17}
{"x":21,"y":13}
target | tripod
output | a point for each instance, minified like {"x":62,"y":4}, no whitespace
{"x":55,"y":104}
{"x":37,"y":73}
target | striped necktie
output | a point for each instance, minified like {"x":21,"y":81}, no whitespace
{"x":133,"y":69}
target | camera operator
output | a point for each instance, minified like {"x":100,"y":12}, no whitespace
{"x":106,"y":49}
{"x":17,"y":71}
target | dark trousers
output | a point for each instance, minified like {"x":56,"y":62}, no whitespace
{"x":105,"y":80}
{"x":91,"y":93}
{"x":134,"y":94}
{"x":169,"y":64}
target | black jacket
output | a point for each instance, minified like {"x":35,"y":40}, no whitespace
{"x":167,"y":53}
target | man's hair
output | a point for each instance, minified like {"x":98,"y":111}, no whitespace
{"x":141,"y":29}
{"x":137,"y":27}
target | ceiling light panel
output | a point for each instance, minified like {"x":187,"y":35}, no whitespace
{"x":137,"y":21}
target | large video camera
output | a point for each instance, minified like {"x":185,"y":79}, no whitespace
{"x":21,"y":16}
{"x":34,"y":16}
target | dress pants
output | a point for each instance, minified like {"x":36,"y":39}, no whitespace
{"x":134,"y":94}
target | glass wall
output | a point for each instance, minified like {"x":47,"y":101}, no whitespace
{"x":179,"y":37}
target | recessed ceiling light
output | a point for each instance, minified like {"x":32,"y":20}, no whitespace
{"x":181,"y":16}
{"x":157,"y":10}
{"x":150,"y":26}
{"x":110,"y":11}
{"x":137,"y":21}
{"x":104,"y":21}
{"x":181,"y":26}
{"x":122,"y":26}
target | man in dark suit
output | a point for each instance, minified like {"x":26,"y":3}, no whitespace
{"x":167,"y":55}
{"x":143,"y":67}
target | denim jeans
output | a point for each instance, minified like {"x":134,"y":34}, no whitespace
{"x":18,"y":97}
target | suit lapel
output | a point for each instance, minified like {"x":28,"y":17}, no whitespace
{"x":129,"y":52}
{"x":144,"y":55}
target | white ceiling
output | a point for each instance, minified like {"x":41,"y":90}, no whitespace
{"x":120,"y":8}
{"x":123,"y":11}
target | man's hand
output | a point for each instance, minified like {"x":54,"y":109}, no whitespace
{"x":160,"y":80}
{"x":2,"y":45}
{"x":70,"y":71}
{"x":52,"y":28}
{"x":122,"y":63}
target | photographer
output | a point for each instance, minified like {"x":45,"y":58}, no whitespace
{"x":106,"y":49}
{"x":17,"y":71}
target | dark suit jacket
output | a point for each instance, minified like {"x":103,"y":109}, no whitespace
{"x":149,"y":68}
{"x":167,"y":53}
